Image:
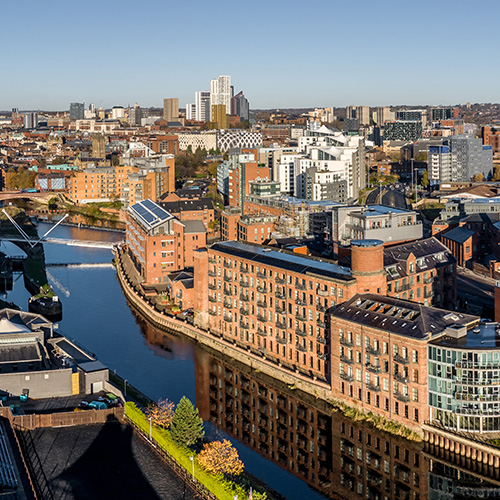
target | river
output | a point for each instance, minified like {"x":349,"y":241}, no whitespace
{"x":318,"y":455}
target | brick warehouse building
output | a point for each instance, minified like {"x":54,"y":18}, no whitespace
{"x":160,"y":244}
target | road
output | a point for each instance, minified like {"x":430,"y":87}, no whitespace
{"x":390,"y":197}
{"x":477,"y":290}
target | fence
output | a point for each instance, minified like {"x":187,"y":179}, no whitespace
{"x":67,"y":419}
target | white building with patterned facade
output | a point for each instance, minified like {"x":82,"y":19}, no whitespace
{"x":236,"y":138}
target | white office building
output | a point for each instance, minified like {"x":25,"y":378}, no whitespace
{"x":202,"y":103}
{"x":221,"y":92}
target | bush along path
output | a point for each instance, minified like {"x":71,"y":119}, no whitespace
{"x":215,"y":470}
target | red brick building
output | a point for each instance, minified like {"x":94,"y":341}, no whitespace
{"x":160,"y":244}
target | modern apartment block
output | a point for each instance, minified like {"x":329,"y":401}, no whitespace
{"x":202,"y":106}
{"x":389,"y":224}
{"x":403,"y":130}
{"x":240,"y":107}
{"x":77,"y":111}
{"x":218,"y":116}
{"x":158,"y":243}
{"x":221,"y":93}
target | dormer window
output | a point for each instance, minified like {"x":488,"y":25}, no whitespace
{"x":412,"y":267}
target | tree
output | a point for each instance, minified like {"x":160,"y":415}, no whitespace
{"x":496,"y":174}
{"x":186,"y":427}
{"x":22,"y":179}
{"x":212,"y":169}
{"x":425,"y":179}
{"x":478,"y":178}
{"x":220,"y":457}
{"x":161,"y":413}
{"x":189,"y":150}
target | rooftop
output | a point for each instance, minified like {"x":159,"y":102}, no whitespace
{"x":484,"y":336}
{"x":149,"y":214}
{"x":458,"y":234}
{"x":400,"y":316}
{"x":283,"y":259}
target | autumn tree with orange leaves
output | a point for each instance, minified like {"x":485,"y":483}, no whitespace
{"x":161,"y":413}
{"x":220,"y":457}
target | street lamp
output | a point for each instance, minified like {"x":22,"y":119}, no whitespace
{"x":125,"y":388}
{"x":150,"y":428}
{"x":192,"y":461}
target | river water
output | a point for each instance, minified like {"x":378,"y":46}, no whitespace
{"x":287,"y":441}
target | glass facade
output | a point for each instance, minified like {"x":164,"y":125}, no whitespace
{"x":464,"y":387}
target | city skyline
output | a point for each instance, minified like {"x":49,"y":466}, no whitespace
{"x":387,"y":56}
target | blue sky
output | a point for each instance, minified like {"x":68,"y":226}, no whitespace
{"x":280,"y":53}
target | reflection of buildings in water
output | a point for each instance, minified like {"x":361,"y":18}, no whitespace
{"x":449,"y":482}
{"x":333,"y":454}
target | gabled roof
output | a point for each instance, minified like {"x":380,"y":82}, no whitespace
{"x":149,"y":214}
{"x":458,"y":234}
{"x":187,"y":205}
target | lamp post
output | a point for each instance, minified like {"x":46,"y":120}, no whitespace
{"x":151,"y":429}
{"x":125,"y":388}
{"x":192,"y":461}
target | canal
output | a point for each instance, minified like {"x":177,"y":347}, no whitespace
{"x":289,"y":441}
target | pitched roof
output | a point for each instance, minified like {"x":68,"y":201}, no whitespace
{"x":188,"y":205}
{"x":400,"y":316}
{"x":458,"y":234}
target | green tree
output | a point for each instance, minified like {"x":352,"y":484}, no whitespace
{"x":478,"y":178}
{"x":187,"y":426}
{"x":189,"y":150}
{"x":212,"y":169}
{"x":425,"y":179}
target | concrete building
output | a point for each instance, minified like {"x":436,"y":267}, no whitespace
{"x":30,"y":120}
{"x":228,"y":139}
{"x":118,"y":113}
{"x":360,"y":113}
{"x":158,"y":243}
{"x":221,"y":93}
{"x":203,"y":140}
{"x":389,"y":224}
{"x":403,"y":130}
{"x":39,"y":363}
{"x":77,"y":111}
{"x":202,"y":103}
{"x":191,"y":112}
{"x":469,"y":157}
{"x":135,"y":116}
{"x":171,"y":109}
{"x":240,"y":107}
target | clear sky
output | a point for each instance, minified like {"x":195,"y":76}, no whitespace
{"x":280,"y":53}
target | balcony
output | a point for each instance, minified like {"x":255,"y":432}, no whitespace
{"x":245,"y":298}
{"x":320,"y":308}
{"x":228,"y":304}
{"x":428,"y":281}
{"x":300,"y":302}
{"x":281,"y":325}
{"x":228,"y":292}
{"x":212,"y":299}
{"x":261,"y":275}
{"x":243,"y":269}
{"x":280,"y":295}
{"x":372,"y":368}
{"x":260,"y":303}
{"x":300,"y":317}
{"x":348,"y":343}
{"x":244,"y":284}
{"x":212,"y":313}
{"x":280,"y":311}
{"x":372,"y":350}
{"x":345,"y":359}
{"x":348,"y":378}
{"x":245,"y":312}
{"x":401,"y":378}
{"x":322,"y":293}
{"x":321,"y":340}
{"x":321,"y":355}
{"x":212,"y":287}
{"x":212,"y":260}
{"x":228,"y":278}
{"x":261,"y":318}
{"x":262,"y":289}
{"x":399,"y":359}
{"x":402,"y":397}
{"x":228,"y":319}
{"x":477,"y":381}
{"x":280,"y":281}
{"x":212,"y":274}
{"x":261,"y":332}
{"x":244,"y":325}
{"x":300,"y":286}
{"x":429,"y":294}
{"x":227,"y":265}
{"x":301,"y":333}
{"x":464,"y":396}
{"x":321,"y":324}
{"x":477,"y":366}
{"x":300,"y":348}
{"x":373,"y":387}
{"x":281,"y":340}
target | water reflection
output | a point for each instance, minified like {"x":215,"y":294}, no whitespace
{"x":333,"y":454}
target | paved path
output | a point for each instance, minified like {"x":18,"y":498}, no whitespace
{"x":107,"y":461}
